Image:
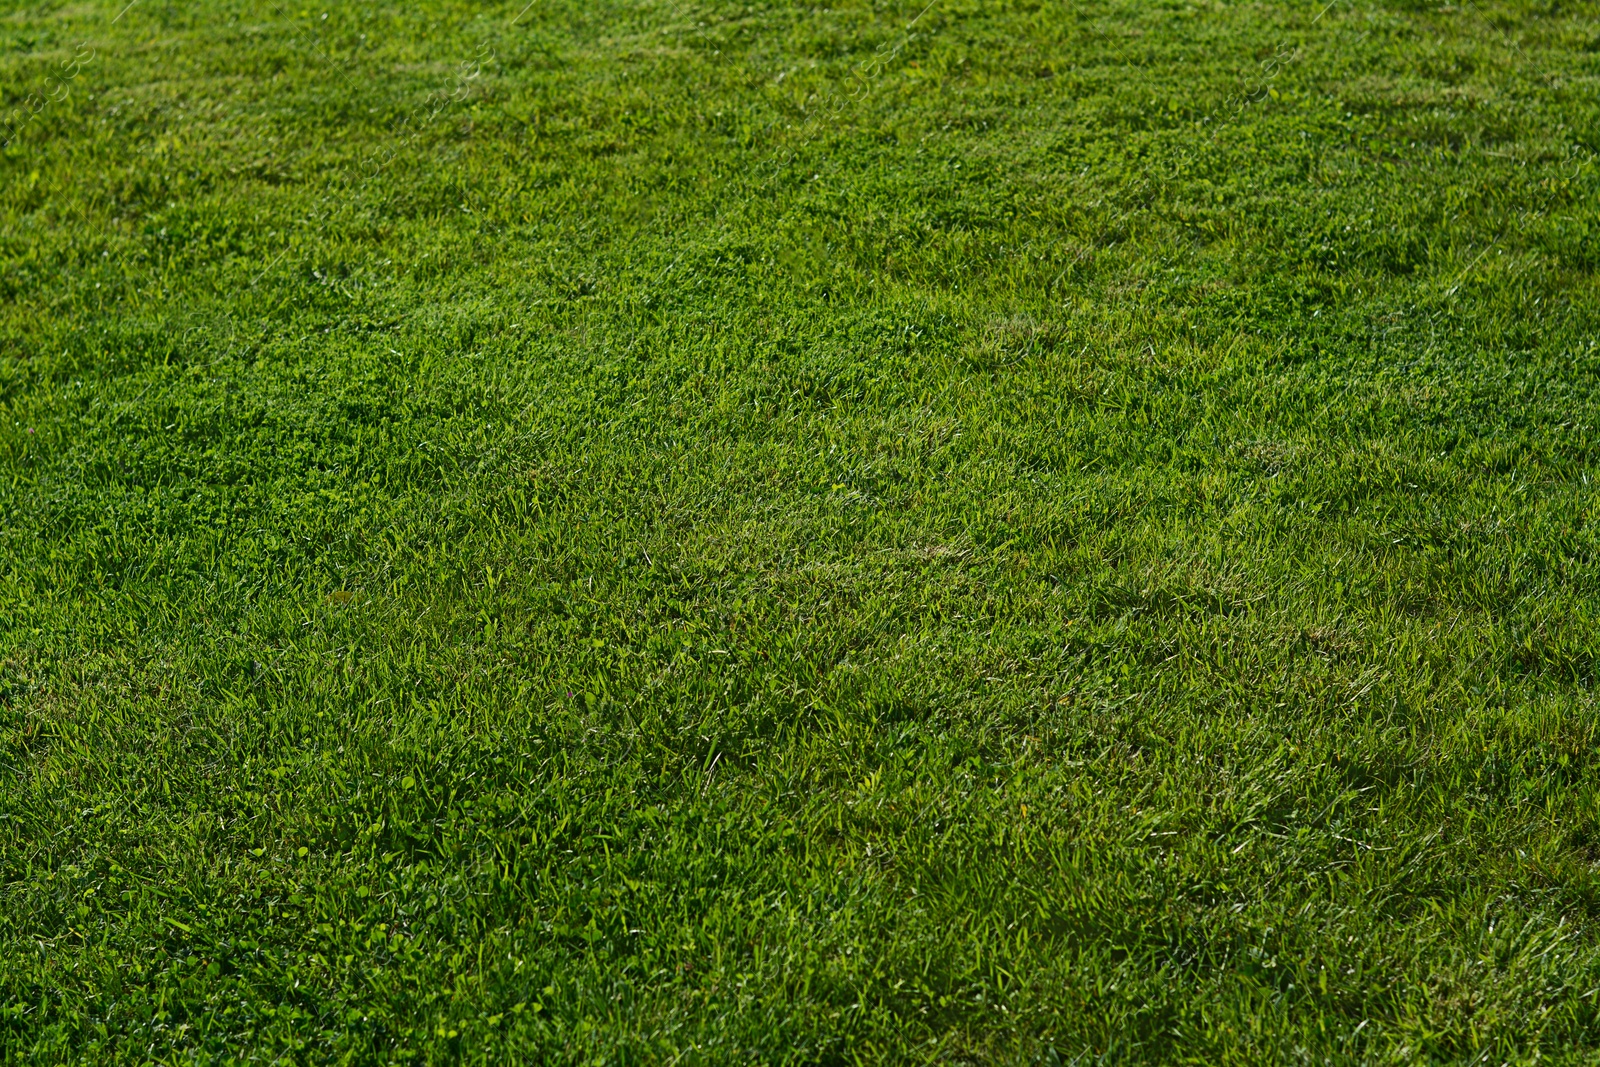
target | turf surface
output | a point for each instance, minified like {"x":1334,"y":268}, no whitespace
{"x":699,"y":532}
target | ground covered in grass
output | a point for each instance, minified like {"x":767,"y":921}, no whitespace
{"x":707,"y":532}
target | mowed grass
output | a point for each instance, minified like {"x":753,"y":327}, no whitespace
{"x":701,"y":532}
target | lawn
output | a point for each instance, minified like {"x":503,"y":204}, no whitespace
{"x":690,"y":531}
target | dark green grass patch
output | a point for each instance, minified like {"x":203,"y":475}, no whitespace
{"x":696,"y":532}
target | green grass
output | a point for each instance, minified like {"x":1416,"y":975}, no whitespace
{"x":701,"y":533}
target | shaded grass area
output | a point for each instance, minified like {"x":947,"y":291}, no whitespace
{"x":1001,"y":532}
